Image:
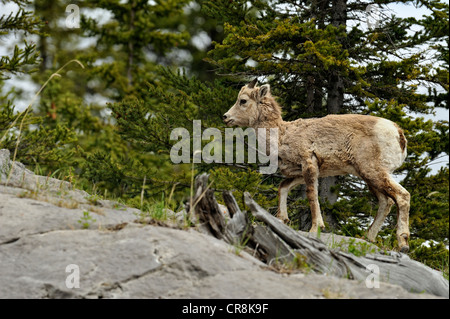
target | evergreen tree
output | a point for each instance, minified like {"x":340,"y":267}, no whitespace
{"x":130,"y":47}
{"x":318,"y":63}
{"x":22,"y":132}
{"x":139,"y":36}
{"x":320,"y":58}
{"x":23,"y":59}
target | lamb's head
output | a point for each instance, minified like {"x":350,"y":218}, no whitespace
{"x":247,"y":109}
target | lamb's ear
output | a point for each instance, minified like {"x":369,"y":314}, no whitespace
{"x":252,"y":84}
{"x":264,"y":90}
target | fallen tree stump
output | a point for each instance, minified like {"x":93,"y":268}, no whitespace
{"x":276,"y":243}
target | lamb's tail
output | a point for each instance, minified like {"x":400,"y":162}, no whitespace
{"x":402,"y":141}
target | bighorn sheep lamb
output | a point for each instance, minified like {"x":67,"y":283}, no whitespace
{"x":366,"y":146}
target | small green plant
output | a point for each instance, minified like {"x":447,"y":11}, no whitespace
{"x":300,"y":262}
{"x":297,"y":263}
{"x":94,"y":199}
{"x":28,"y":194}
{"x":239,"y":246}
{"x":118,"y":206}
{"x":86,"y":220}
{"x":355,"y":248}
{"x":158,"y":211}
{"x":67,"y":203}
{"x":360,"y":248}
{"x":330,"y":293}
{"x":187,"y":222}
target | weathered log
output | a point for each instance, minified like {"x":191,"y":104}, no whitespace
{"x":230,"y":202}
{"x":316,"y":252}
{"x":395,"y":268}
{"x":238,"y":226}
{"x":272,"y":249}
{"x":211,"y":219}
{"x":276,"y":242}
{"x":206,"y":209}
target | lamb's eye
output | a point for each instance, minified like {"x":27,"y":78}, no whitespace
{"x":243,"y":101}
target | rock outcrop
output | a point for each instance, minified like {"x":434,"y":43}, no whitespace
{"x":53,"y":238}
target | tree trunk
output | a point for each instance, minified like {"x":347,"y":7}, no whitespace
{"x":326,"y":194}
{"x":310,"y":94}
{"x":131,"y":46}
{"x":335,"y":100}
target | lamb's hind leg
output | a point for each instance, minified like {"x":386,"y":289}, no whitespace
{"x":384,"y":207}
{"x":311,"y":175}
{"x":402,"y":199}
{"x":283,"y":192}
{"x":385,"y":184}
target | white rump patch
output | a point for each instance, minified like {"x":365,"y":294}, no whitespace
{"x":388,"y":137}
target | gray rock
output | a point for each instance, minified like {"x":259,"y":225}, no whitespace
{"x":266,"y":284}
{"x":156,"y":262}
{"x":41,"y":236}
{"x":14,"y":174}
{"x":20,"y":217}
{"x":182,"y":218}
{"x":35,"y":266}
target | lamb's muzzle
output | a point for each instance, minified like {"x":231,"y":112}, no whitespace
{"x":227,"y":120}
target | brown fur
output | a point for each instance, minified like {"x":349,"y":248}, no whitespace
{"x":333,"y":145}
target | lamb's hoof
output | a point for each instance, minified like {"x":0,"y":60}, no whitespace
{"x":316,"y":229}
{"x":404,"y":249}
{"x":403,"y":243}
{"x":284,"y":220}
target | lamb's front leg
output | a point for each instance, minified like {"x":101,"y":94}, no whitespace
{"x":283,"y":192}
{"x":311,"y":175}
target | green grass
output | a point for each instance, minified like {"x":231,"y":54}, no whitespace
{"x":353,"y":247}
{"x":86,"y":220}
